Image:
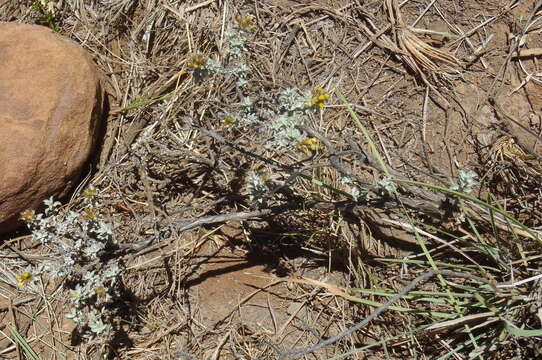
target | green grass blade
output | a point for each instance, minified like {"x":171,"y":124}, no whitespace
{"x":21,"y":341}
{"x":474,"y":200}
{"x":381,"y":342}
{"x":462,"y":346}
{"x":411,"y":295}
{"x":512,"y":329}
{"x":402,"y":309}
{"x":439,"y":263}
{"x":455,"y":303}
{"x":366,"y":134}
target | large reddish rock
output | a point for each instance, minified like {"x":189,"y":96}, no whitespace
{"x":51,"y":106}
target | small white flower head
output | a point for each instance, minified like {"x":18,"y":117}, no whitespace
{"x":90,"y":276}
{"x":43,"y":222}
{"x":55,"y":270}
{"x":246,"y":103}
{"x":41,"y":236}
{"x":94,"y":249}
{"x":243,"y":68}
{"x":112,"y":272}
{"x":250,"y":118}
{"x":346,"y":180}
{"x":104,"y":231}
{"x":212,"y":67}
{"x":77,"y":295}
{"x":76,"y":315}
{"x":71,"y":217}
{"x":241,"y":82}
{"x":356,"y":193}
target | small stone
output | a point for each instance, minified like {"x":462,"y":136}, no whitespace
{"x":51,"y":105}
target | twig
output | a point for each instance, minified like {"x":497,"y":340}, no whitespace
{"x":216,"y":353}
{"x":187,"y":224}
{"x":226,"y":142}
{"x":200,"y":5}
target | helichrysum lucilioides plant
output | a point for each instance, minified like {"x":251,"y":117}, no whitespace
{"x":356,"y":192}
{"x":467,"y":181}
{"x":82,"y":243}
{"x":386,"y":187}
{"x":203,"y":66}
{"x":282,"y":114}
{"x":257,"y":187}
{"x":289,"y":107}
{"x":293,"y":107}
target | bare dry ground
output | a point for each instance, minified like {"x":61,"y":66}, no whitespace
{"x":439,"y":87}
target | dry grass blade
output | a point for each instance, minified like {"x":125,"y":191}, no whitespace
{"x":460,"y":321}
{"x":422,"y":55}
{"x":426,"y":53}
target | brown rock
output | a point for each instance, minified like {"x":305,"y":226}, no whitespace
{"x":51,"y":105}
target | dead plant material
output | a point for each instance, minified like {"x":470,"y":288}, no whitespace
{"x":421,"y":57}
{"x":506,"y":149}
{"x":524,"y":53}
{"x":516,"y":173}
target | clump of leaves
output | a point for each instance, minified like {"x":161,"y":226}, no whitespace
{"x":47,"y":12}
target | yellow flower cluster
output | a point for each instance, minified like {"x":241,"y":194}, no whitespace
{"x":228,"y":122}
{"x":100,"y":291}
{"x":90,"y":193}
{"x":90,"y":214}
{"x":319,"y":97}
{"x":308,"y":144}
{"x":245,"y":23}
{"x":24,"y":279}
{"x":197,"y":62}
{"x":28,"y":216}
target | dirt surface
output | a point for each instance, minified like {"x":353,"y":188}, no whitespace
{"x":226,"y":280}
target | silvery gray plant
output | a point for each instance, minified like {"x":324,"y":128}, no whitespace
{"x":467,"y":181}
{"x":81,"y":244}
